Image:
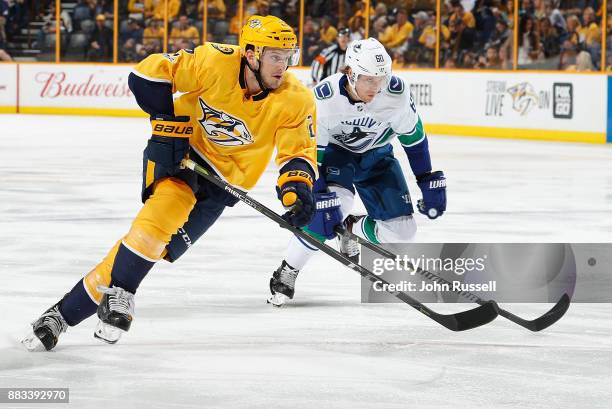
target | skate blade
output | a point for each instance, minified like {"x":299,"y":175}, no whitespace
{"x":277,"y":300}
{"x":32,"y":343}
{"x":107,"y":333}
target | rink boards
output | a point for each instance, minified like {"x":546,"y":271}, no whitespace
{"x":515,"y":105}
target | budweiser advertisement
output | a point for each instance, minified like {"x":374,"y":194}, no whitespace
{"x":78,"y":87}
{"x":8,"y":88}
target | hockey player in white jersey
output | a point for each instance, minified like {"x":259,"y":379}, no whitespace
{"x":359,"y":112}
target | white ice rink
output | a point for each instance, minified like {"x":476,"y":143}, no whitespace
{"x":203,"y":336}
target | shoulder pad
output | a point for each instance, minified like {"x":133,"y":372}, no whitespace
{"x":323,"y":90}
{"x":396,"y":85}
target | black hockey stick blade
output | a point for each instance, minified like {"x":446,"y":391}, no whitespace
{"x":462,"y":321}
{"x":553,"y":315}
{"x":465,"y":320}
{"x":475,"y":317}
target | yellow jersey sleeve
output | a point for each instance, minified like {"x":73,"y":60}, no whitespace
{"x":296,"y":138}
{"x":181,"y":69}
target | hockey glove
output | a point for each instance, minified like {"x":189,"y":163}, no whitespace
{"x":294,"y":190}
{"x":327,"y":216}
{"x":433,"y":188}
{"x":169,"y":143}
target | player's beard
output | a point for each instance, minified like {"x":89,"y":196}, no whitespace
{"x":272,"y":82}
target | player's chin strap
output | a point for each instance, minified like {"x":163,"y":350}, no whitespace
{"x":257,"y":73}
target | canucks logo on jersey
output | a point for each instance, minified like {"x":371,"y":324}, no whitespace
{"x":356,"y":139}
{"x":223,"y":129}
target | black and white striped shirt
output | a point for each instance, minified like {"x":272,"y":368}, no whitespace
{"x":327,"y":63}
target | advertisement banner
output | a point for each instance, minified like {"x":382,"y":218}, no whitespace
{"x":8,"y":88}
{"x":517,"y":100}
{"x":515,"y":105}
{"x":76,"y":88}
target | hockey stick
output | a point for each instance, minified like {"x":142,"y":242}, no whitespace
{"x":461,"y":321}
{"x":538,"y":324}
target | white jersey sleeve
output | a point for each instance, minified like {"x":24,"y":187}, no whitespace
{"x":406,"y":122}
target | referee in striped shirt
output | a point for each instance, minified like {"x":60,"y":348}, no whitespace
{"x":331,"y":59}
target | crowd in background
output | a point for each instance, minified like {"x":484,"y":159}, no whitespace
{"x":552,"y":34}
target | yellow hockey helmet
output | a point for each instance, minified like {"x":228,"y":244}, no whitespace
{"x":269,"y":31}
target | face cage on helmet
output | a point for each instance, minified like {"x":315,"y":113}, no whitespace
{"x":294,"y":57}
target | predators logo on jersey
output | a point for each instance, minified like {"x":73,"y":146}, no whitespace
{"x":223,"y":129}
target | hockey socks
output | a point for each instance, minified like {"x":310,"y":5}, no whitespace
{"x":299,"y":252}
{"x":129,"y":269}
{"x":77,"y":305}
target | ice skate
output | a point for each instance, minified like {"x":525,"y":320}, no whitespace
{"x":116,"y":311}
{"x":349,"y":247}
{"x":282,"y":284}
{"x":46,"y":330}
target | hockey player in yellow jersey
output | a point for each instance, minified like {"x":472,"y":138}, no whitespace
{"x":238,"y":104}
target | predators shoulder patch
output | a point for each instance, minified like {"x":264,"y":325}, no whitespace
{"x":223,"y":49}
{"x":223,"y":129}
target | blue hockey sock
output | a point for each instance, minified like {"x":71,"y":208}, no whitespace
{"x":129,"y":269}
{"x":77,"y":305}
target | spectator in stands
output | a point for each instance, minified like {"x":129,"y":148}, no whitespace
{"x":459,"y":13}
{"x":105,"y":7}
{"x":4,"y":12}
{"x":584,"y":62}
{"x":462,"y":40}
{"x":589,"y":31}
{"x":4,"y":56}
{"x":310,"y":46}
{"x":573,"y":30}
{"x":133,"y":32}
{"x":259,"y":7}
{"x":395,"y":36}
{"x":17,"y":17}
{"x":327,"y":33}
{"x":157,"y":8}
{"x":185,"y":31}
{"x":530,"y":46}
{"x":485,"y":21}
{"x":189,"y":8}
{"x":467,"y":60}
{"x":378,"y":21}
{"x":101,"y":41}
{"x":153,"y":34}
{"x":82,"y":12}
{"x":427,"y":41}
{"x":501,"y":35}
{"x":567,"y":59}
{"x":550,"y":38}
{"x":360,"y":12}
{"x":398,"y":60}
{"x":129,"y":51}
{"x":357,"y":29}
{"x":216,"y":9}
{"x":46,"y":35}
{"x":291,"y":16}
{"x":136,"y":8}
{"x":493,"y":62}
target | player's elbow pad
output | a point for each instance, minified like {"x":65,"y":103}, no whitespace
{"x":155,"y":98}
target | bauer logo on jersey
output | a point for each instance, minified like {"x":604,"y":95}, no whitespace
{"x":223,"y":129}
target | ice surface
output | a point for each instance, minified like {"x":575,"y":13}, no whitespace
{"x":203,"y":336}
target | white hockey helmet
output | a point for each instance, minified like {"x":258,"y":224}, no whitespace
{"x":367,"y":57}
